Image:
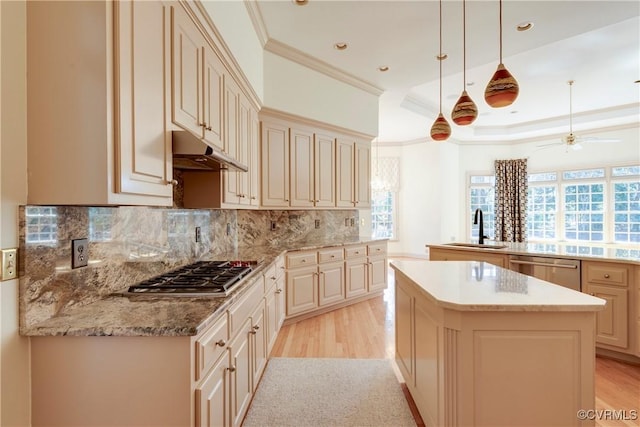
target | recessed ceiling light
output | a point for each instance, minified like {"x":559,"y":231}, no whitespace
{"x":383,"y":68}
{"x":524,"y":26}
{"x":340,"y":46}
{"x":300,"y":2}
{"x":441,"y":57}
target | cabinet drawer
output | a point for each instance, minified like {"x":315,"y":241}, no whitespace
{"x":211,"y":346}
{"x":607,"y":273}
{"x":301,"y":259}
{"x":329,"y":255}
{"x":270,"y":277}
{"x":377,"y":249}
{"x":240,"y":310}
{"x":355,"y":251}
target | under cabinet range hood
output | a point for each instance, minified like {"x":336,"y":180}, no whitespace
{"x":192,"y":153}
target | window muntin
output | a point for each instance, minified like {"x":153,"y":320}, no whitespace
{"x":626,"y":211}
{"x":584,"y":211}
{"x":482,"y":196}
{"x":383,"y":214}
{"x":41,"y":224}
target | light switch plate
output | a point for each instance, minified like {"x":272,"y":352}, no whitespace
{"x":9,"y":264}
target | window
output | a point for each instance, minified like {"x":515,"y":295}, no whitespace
{"x":42,"y":224}
{"x":586,"y":205}
{"x":383,"y":215}
{"x":101,"y":223}
{"x":482,"y":192}
{"x":384,"y":194}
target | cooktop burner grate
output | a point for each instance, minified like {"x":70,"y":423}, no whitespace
{"x":200,"y":278}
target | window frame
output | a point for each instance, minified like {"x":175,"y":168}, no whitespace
{"x":394,"y":215}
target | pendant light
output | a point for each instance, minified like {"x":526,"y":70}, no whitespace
{"x":465,"y":111}
{"x":502,"y":89}
{"x":440,"y":130}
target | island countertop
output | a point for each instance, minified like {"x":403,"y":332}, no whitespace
{"x":118,"y":315}
{"x":480,"y":286}
{"x":572,"y":250}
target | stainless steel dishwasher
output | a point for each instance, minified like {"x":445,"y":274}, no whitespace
{"x":560,"y":271}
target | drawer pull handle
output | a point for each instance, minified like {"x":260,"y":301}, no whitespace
{"x":221,"y":343}
{"x":606,"y":276}
{"x":232,"y":369}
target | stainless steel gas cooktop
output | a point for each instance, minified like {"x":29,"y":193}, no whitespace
{"x":202,"y":278}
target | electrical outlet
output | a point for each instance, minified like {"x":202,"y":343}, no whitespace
{"x":228,"y":229}
{"x":198,"y":235}
{"x":9,"y":261}
{"x":317,"y":223}
{"x":273,"y":226}
{"x":352,"y":221}
{"x":79,"y":253}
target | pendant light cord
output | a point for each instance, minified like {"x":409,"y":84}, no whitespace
{"x":501,"y":31}
{"x":464,"y":44}
{"x":570,"y":107}
{"x":440,"y":57}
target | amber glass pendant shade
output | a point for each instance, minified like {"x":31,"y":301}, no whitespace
{"x":502,"y":89}
{"x":440,"y":130}
{"x":465,"y":111}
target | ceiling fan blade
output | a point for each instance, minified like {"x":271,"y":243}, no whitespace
{"x":551,"y":144}
{"x":596,"y":139}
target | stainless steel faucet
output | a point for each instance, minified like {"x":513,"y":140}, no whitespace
{"x":481,"y":235}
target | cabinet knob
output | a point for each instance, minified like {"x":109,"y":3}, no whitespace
{"x":256,"y":327}
{"x":606,"y":276}
{"x":202,"y":125}
{"x":303,"y":260}
{"x":273,"y":278}
{"x":253,"y":197}
{"x":209,"y":128}
{"x":221,"y":343}
{"x":333,"y":256}
{"x":278,"y":291}
{"x":242,"y":196}
{"x":286,"y":200}
{"x":232,"y":369}
{"x":173,"y":182}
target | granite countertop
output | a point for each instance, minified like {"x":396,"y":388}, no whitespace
{"x":580,"y":251}
{"x":479,"y":286}
{"x":166,"y":316}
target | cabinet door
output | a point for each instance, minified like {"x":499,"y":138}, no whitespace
{"x":302,"y":168}
{"x":281,"y":301}
{"x":240,"y":378}
{"x":612,"y":322}
{"x":212,"y":397}
{"x":302,"y":290}
{"x":325,"y":171}
{"x":345,"y":156}
{"x":377,"y":274}
{"x":231,"y":137}
{"x":362,"y":175}
{"x":254,"y":163}
{"x":213,"y":107}
{"x":331,"y":283}
{"x":275,"y":165}
{"x":356,"y":277}
{"x":187,"y":60}
{"x":258,"y":343}
{"x":272,"y":320}
{"x":143,"y":142}
{"x":243,"y":149}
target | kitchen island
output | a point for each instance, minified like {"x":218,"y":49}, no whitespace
{"x":481,"y":345}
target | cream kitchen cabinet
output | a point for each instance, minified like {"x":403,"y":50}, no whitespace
{"x":313,"y":171}
{"x":90,"y":141}
{"x":611,"y":282}
{"x":331,"y":278}
{"x":378,"y":265}
{"x":274,"y":149}
{"x":353,"y":173}
{"x":302,"y":282}
{"x":356,"y":270}
{"x":198,"y":81}
{"x":276,"y":301}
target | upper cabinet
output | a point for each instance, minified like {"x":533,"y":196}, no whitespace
{"x":198,"y":81}
{"x":306,"y":164}
{"x":97,"y":132}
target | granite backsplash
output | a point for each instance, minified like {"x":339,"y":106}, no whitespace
{"x":130,"y":244}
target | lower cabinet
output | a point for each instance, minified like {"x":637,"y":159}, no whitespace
{"x":276,"y":302}
{"x":302,"y":290}
{"x":213,"y":394}
{"x":331,"y":283}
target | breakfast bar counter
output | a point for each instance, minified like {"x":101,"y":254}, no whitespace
{"x":481,"y":345}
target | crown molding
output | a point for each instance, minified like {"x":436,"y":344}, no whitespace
{"x":258,"y":22}
{"x":297,"y":56}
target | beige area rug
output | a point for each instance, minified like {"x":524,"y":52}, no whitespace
{"x":329,"y":392}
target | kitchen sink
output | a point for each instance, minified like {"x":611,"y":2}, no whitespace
{"x":477,"y":245}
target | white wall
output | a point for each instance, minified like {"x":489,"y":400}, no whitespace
{"x":232,"y":20}
{"x":296,"y":89}
{"x":14,"y":368}
{"x":433,"y":196}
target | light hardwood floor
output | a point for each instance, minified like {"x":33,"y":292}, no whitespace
{"x":366,"y":330}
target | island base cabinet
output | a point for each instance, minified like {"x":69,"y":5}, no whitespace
{"x":500,"y":368}
{"x":71,"y":378}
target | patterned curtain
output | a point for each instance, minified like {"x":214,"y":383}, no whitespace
{"x":511,"y":200}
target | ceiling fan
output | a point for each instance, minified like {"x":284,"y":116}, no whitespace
{"x":571,"y":140}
